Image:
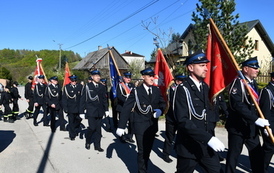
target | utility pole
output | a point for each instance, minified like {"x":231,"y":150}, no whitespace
{"x":60,"y":55}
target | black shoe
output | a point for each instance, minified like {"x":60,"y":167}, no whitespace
{"x":99,"y":149}
{"x":11,"y":120}
{"x":87,"y":146}
{"x":5,"y":119}
{"x":72,"y":139}
{"x":63,"y":129}
{"x":130,"y":140}
{"x":45,"y":124}
{"x":167,"y":159}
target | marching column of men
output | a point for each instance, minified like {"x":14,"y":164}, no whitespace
{"x":190,"y":114}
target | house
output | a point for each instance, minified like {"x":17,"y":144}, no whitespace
{"x":100,"y":60}
{"x":264,"y":48}
{"x":134,"y":59}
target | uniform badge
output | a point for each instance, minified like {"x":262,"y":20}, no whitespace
{"x":234,"y":91}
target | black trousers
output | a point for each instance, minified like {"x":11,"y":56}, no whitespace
{"x":15,"y":108}
{"x":74,"y":123}
{"x":94,"y":130}
{"x":53,"y":113}
{"x":171,"y":128}
{"x":235,"y":146}
{"x":144,"y":144}
{"x":210,"y":164}
{"x":268,"y":148}
{"x":31,"y":105}
{"x":37,"y":110}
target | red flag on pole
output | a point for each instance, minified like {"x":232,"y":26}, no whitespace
{"x":221,"y":69}
{"x":38,"y":71}
{"x":67,"y":74}
{"x":163,"y":76}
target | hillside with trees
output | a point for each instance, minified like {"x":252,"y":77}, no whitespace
{"x":16,"y":65}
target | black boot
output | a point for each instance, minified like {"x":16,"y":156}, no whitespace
{"x":5,"y":119}
{"x":11,"y":119}
{"x":27,"y":115}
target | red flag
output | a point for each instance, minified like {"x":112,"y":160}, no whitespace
{"x":221,"y":68}
{"x":38,"y":71}
{"x":67,"y":74}
{"x":163,"y":76}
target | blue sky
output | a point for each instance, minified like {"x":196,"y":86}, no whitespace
{"x":83,"y":25}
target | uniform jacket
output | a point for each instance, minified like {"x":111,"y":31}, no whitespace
{"x":267,"y":103}
{"x":39,"y":93}
{"x":242,"y":112}
{"x":121,"y":96}
{"x":15,"y":93}
{"x":170,"y":114}
{"x":53,"y":95}
{"x":71,"y":98}
{"x":94,"y":100}
{"x":193,"y":134}
{"x":141,"y":121}
{"x":28,"y":91}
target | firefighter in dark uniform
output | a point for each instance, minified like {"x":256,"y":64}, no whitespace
{"x":1,"y":99}
{"x":243,"y":122}
{"x":94,"y":101}
{"x":29,"y":98}
{"x":15,"y":96}
{"x":5,"y":101}
{"x":39,"y":100}
{"x":123,"y":90}
{"x":71,"y":103}
{"x":171,"y":126}
{"x":267,"y":107}
{"x":53,"y":97}
{"x":147,"y":104}
{"x":195,"y":143}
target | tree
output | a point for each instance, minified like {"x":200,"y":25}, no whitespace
{"x":5,"y":73}
{"x":234,"y":33}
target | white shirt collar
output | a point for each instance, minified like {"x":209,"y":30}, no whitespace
{"x":197,"y":83}
{"x":146,"y":88}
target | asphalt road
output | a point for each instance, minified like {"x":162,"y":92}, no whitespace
{"x":28,"y":148}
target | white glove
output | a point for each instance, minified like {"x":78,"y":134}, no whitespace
{"x":266,"y":133}
{"x":82,"y":116}
{"x":216,"y":144}
{"x":262,"y":122}
{"x":127,"y":95}
{"x":107,"y":113}
{"x":120,"y":132}
{"x":157,"y":113}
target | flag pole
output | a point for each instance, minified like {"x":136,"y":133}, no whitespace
{"x":232,"y":58}
{"x":119,"y":74}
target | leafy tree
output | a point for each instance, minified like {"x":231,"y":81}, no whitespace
{"x":234,"y":33}
{"x":5,"y":73}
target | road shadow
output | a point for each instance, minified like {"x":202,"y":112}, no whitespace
{"x":44,"y":159}
{"x":126,"y":152}
{"x":6,"y":138}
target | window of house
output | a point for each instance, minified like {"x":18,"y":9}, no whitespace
{"x":256,"y":46}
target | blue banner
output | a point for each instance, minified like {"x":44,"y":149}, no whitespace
{"x":114,"y":76}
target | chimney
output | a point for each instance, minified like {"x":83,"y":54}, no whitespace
{"x":99,"y":47}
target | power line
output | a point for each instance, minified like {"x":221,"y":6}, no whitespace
{"x":138,"y":11}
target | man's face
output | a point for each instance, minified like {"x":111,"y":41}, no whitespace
{"x":148,"y":79}
{"x":127,"y":79}
{"x":40,"y":80}
{"x":250,"y":72}
{"x":54,"y":82}
{"x":96,"y":78}
{"x":198,"y":71}
{"x":178,"y":82}
{"x":73,"y":82}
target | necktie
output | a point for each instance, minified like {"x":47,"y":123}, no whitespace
{"x":149,"y":93}
{"x":201,"y":89}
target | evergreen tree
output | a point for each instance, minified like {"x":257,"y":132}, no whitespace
{"x":234,"y":33}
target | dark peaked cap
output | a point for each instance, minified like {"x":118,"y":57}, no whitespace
{"x":251,"y":62}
